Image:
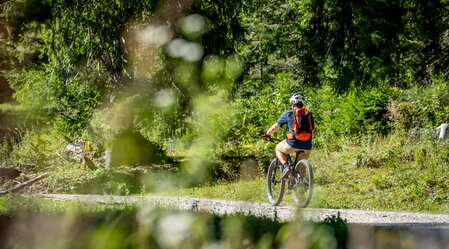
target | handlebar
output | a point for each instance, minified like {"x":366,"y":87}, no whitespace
{"x":269,"y":138}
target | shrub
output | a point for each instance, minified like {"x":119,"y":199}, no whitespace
{"x":339,"y":116}
{"x":425,"y":107}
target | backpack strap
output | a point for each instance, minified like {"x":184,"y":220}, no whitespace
{"x":310,"y":123}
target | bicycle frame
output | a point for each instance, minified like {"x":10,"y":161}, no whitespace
{"x":289,"y":159}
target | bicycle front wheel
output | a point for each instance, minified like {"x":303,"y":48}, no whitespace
{"x":303,"y":188}
{"x":275,"y":184}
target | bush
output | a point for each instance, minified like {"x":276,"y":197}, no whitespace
{"x":425,"y":107}
{"x":353,"y":113}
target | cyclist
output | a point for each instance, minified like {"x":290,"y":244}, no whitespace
{"x":290,"y":144}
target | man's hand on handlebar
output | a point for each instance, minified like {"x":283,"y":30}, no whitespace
{"x":266,"y":137}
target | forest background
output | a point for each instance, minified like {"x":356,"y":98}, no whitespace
{"x":158,"y":96}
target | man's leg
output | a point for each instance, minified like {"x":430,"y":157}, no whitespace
{"x":281,"y":156}
{"x":282,"y":150}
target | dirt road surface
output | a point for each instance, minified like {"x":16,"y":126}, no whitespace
{"x":265,"y":210}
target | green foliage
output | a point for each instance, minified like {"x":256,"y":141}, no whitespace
{"x":69,"y":104}
{"x":424,"y":107}
{"x":224,"y":27}
{"x":345,"y":43}
{"x":336,"y":115}
{"x":7,"y":205}
{"x":5,"y":150}
{"x":352,"y":113}
{"x":74,"y":179}
{"x":37,"y":149}
{"x":339,"y":229}
{"x":69,"y":58}
{"x":358,"y":112}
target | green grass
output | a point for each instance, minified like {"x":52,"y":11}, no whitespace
{"x":366,"y":189}
{"x":11,"y":107}
{"x":382,"y":173}
{"x":14,"y":204}
{"x":245,"y":190}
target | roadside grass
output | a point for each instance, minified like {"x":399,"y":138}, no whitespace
{"x":11,"y":107}
{"x":244,"y":190}
{"x":16,"y":204}
{"x":364,"y":189}
{"x":390,"y":173}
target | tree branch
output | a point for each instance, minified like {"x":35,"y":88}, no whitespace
{"x":22,"y":185}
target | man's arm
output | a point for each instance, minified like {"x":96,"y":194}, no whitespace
{"x":273,"y":129}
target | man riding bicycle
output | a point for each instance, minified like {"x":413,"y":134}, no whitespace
{"x":300,"y":125}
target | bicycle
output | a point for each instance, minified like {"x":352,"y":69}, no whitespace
{"x":299,"y":180}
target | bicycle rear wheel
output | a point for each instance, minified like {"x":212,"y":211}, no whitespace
{"x":303,"y":188}
{"x":275,"y":184}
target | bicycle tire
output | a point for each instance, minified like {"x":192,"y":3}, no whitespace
{"x":303,"y":189}
{"x":275,"y":183}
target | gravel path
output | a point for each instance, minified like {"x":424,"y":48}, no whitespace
{"x":286,"y":213}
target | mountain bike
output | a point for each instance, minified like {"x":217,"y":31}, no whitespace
{"x":299,"y":180}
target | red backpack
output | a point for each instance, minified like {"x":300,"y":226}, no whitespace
{"x":303,"y":125}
